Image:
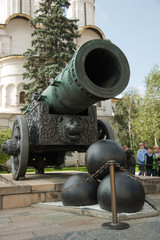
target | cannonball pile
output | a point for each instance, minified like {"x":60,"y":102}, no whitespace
{"x":81,"y":190}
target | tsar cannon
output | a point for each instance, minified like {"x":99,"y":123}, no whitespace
{"x":63,"y":118}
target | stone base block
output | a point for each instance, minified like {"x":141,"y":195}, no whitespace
{"x":32,"y":189}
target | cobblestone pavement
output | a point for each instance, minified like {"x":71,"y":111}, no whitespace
{"x":44,"y":224}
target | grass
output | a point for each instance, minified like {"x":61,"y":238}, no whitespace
{"x":81,"y":169}
{"x":32,"y":170}
{"x":3,"y":172}
{"x":137,"y":169}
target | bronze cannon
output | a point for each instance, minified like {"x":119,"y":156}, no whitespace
{"x":63,"y":118}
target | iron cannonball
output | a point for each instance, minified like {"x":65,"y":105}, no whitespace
{"x":130,"y":195}
{"x":78,"y":192}
{"x":101,"y":152}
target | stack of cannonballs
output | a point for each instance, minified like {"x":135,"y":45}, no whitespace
{"x":81,"y":190}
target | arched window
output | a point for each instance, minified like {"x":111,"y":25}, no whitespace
{"x":22,"y":97}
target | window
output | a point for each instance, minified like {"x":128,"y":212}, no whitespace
{"x":99,"y":104}
{"x":22,"y":97}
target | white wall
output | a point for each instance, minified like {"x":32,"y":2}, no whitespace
{"x":15,"y":38}
{"x":1,"y":96}
{"x":87,"y":34}
{"x":83,"y":10}
{"x":10,"y":7}
{"x":11,"y":82}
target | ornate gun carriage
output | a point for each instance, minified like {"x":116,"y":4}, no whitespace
{"x":63,"y":118}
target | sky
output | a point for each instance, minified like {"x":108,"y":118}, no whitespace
{"x":134,"y":26}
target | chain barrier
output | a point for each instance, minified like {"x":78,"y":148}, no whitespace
{"x":144,"y":181}
{"x":95,"y":175}
{"x":90,"y":178}
{"x":104,"y":167}
{"x":7,"y":181}
{"x":4,"y":179}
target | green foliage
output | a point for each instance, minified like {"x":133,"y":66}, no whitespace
{"x":52,"y":45}
{"x":149,"y":118}
{"x":138,"y":118}
{"x":126,"y":113}
{"x":4,"y":135}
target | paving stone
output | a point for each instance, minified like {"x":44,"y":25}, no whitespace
{"x":19,"y":236}
{"x":5,"y":220}
{"x":154,"y":200}
{"x":21,"y":212}
{"x":53,"y":225}
{"x":24,"y":227}
{"x":51,"y":237}
{"x":138,"y":232}
{"x":77,"y":236}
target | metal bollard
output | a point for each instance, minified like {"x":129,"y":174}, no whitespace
{"x":114,"y":225}
{"x":77,"y":165}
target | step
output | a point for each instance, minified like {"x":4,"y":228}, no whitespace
{"x":32,"y":189}
{"x":151,"y":184}
{"x":47,"y":187}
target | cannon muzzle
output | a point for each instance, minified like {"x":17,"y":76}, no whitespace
{"x":98,"y":71}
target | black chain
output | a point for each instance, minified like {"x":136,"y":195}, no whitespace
{"x":90,"y":178}
{"x":104,"y":167}
{"x":4,"y":179}
{"x":7,"y":181}
{"x":93,"y":176}
{"x":144,"y":181}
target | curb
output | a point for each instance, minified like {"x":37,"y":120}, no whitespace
{"x":154,"y":201}
{"x":85,"y":211}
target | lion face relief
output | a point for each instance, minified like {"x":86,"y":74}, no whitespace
{"x":69,"y":129}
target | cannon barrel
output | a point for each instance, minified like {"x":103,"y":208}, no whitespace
{"x":98,"y":71}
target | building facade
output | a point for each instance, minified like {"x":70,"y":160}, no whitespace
{"x":15,"y":38}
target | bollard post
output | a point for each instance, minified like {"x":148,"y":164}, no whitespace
{"x":114,"y":225}
{"x":77,"y":165}
{"x":113,"y":192}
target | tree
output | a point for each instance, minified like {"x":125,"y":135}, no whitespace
{"x":52,"y":45}
{"x":126,"y":113}
{"x":149,"y":118}
{"x":4,"y":135}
